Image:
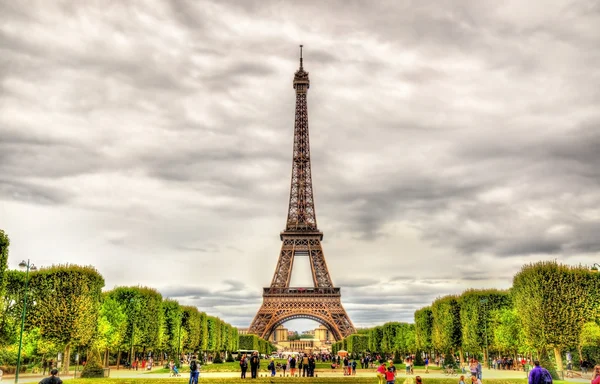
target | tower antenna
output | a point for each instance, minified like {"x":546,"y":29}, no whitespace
{"x":301,"y":55}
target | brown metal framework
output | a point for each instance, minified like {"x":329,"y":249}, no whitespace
{"x":301,"y":237}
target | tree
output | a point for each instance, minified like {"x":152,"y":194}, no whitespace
{"x":65,"y":305}
{"x":554,"y":301}
{"x":191,"y":323}
{"x":446,"y":333}
{"x":475,"y":308}
{"x":423,"y":329}
{"x":375,"y":339}
{"x":173,"y":321}
{"x":112,"y":326}
{"x":507,"y":331}
{"x":11,"y":305}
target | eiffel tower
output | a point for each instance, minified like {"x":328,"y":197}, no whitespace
{"x":301,"y":237}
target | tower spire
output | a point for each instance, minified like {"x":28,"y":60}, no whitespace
{"x":300,"y":56}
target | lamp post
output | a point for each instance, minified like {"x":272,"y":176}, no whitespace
{"x":595,"y":267}
{"x":28,"y":267}
{"x":133,"y":301}
{"x":487,"y":357}
{"x":179,"y":341}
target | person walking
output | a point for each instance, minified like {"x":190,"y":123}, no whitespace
{"x":254,"y":365}
{"x":52,"y":379}
{"x":244,"y":365}
{"x":539,"y":375}
{"x":381,"y":373}
{"x":305,"y":365}
{"x":194,"y":370}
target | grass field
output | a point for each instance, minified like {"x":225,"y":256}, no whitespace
{"x":299,"y":380}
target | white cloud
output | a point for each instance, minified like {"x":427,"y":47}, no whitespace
{"x":450,"y":143}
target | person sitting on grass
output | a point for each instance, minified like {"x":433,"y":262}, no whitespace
{"x":418,"y":380}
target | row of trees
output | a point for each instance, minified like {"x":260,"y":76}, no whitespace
{"x":550,"y":308}
{"x":67,"y":309}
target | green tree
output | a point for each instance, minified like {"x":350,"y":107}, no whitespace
{"x":173,"y":322}
{"x":554,"y":301}
{"x":446,"y":333}
{"x":423,"y":329}
{"x":65,"y":305}
{"x":11,"y":305}
{"x":112,"y":326}
{"x":375,"y":339}
{"x":191,"y":323}
{"x":475,"y":308}
{"x":507,"y":332}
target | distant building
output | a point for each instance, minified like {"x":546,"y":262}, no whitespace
{"x":319,"y":342}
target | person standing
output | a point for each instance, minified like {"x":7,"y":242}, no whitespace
{"x":539,"y":375}
{"x":381,"y":371}
{"x":271,"y":367}
{"x":311,"y":366}
{"x":254,"y":365}
{"x":52,"y":379}
{"x":304,"y":365}
{"x":427,"y":364}
{"x":596,"y":375}
{"x":194,"y":371}
{"x":293,"y":366}
{"x":244,"y":365}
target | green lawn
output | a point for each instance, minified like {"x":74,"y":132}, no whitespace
{"x":300,"y":380}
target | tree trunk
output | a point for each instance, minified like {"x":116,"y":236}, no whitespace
{"x":558,"y":357}
{"x":118,"y":359}
{"x":461,"y":355}
{"x":105,"y":360}
{"x":66,"y":359}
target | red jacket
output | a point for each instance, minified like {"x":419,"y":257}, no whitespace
{"x":389,"y":376}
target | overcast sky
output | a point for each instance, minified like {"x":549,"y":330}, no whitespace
{"x":452,"y":142}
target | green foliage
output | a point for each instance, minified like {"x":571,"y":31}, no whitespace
{"x":217,"y":359}
{"x":93,"y":366}
{"x":590,"y":335}
{"x":375,"y":339}
{"x":357,"y":343}
{"x":553,"y":302}
{"x":446,"y":331}
{"x":173,"y":322}
{"x":191,"y":324}
{"x":11,"y":307}
{"x":112,"y":323}
{"x":249,"y":342}
{"x":475,"y":309}
{"x":506,"y":331}
{"x":423,"y":328}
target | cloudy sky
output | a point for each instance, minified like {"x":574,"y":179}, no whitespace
{"x":452,"y":142}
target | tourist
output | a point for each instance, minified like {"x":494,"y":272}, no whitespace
{"x":284,"y":366}
{"x":194,"y":371}
{"x":293,"y":365}
{"x":311,"y":366}
{"x":478,"y":369}
{"x":475,"y":380}
{"x":408,"y":365}
{"x":392,"y":367}
{"x":389,"y":376}
{"x":596,"y":375}
{"x":539,"y":375}
{"x":427,"y":364}
{"x":462,"y":379}
{"x":418,"y":380}
{"x":271,"y":367}
{"x":353,"y":367}
{"x":254,"y":364}
{"x":381,"y":373}
{"x":52,"y":379}
{"x":304,"y":365}
{"x":244,"y":365}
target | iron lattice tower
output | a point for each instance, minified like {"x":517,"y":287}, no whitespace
{"x":301,"y":237}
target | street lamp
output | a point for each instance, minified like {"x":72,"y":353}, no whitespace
{"x":487,"y":357}
{"x":595,"y":267}
{"x":28,"y":267}
{"x":179,"y":341}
